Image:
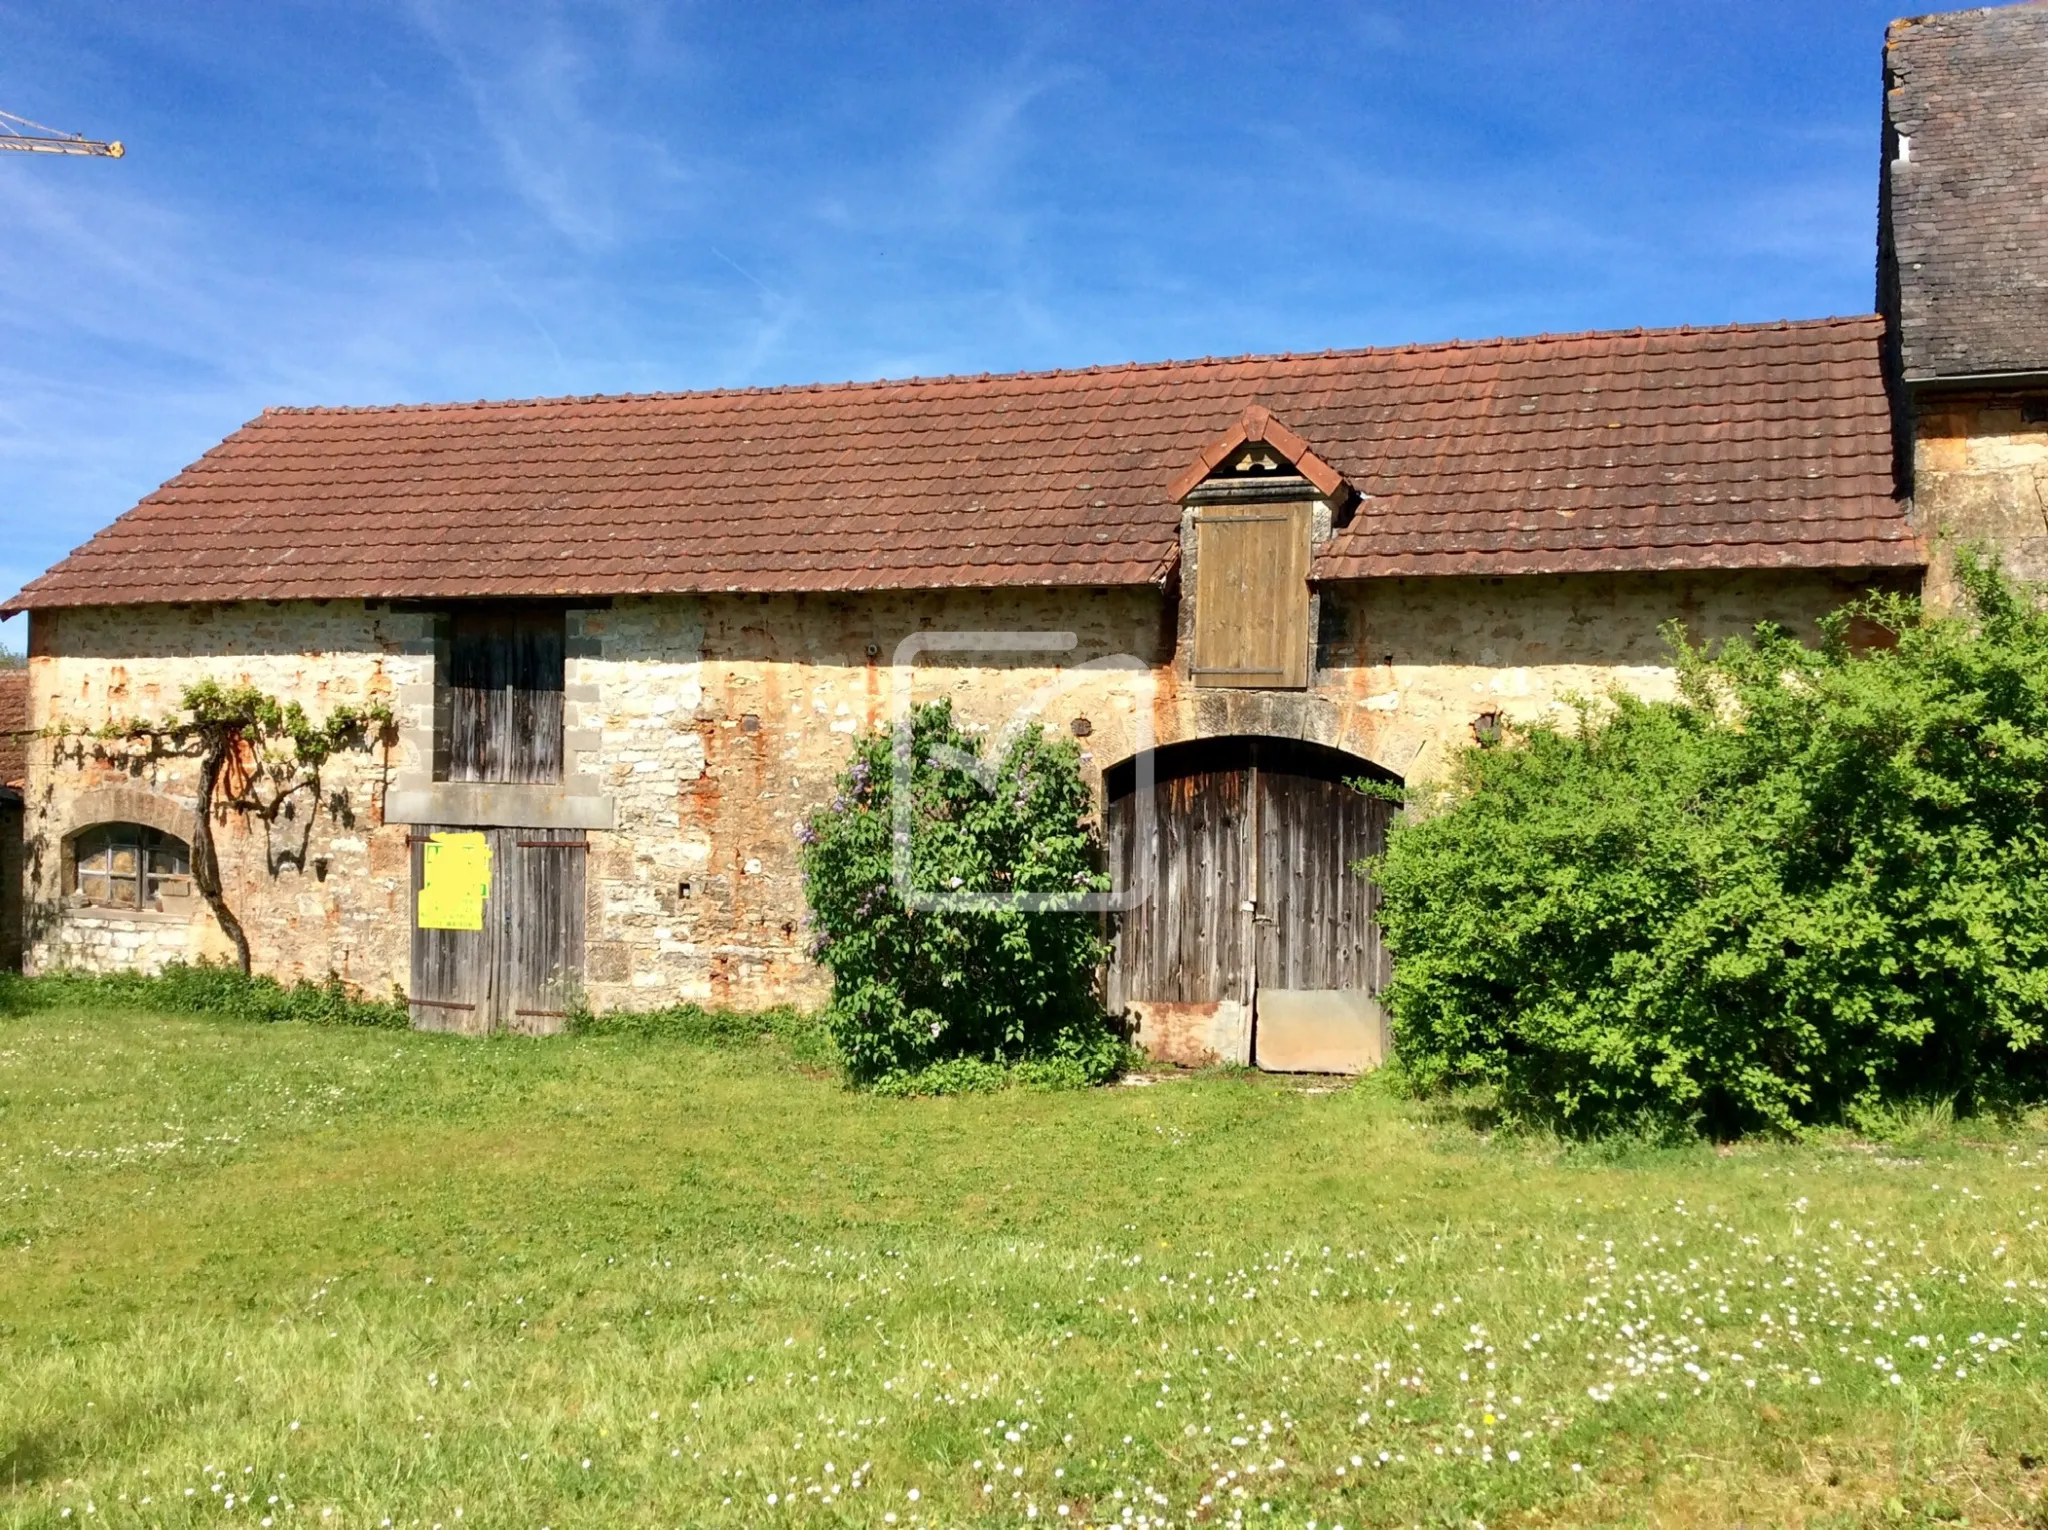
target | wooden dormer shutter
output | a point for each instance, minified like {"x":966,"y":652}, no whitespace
{"x":1254,"y":503}
{"x":1252,"y":594}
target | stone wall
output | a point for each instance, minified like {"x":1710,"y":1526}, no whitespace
{"x":1980,"y":474}
{"x":711,"y":727}
{"x":13,"y":770}
{"x":104,"y":940}
{"x":322,"y":888}
{"x":725,"y":721}
{"x":1411,"y":664}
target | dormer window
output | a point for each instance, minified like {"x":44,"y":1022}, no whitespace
{"x":1250,"y":522}
{"x":1251,"y":592}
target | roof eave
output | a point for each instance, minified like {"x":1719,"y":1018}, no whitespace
{"x":1155,"y":578}
{"x":1886,"y":558}
{"x":1946,"y":382}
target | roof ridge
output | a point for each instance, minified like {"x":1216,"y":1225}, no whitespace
{"x":878,"y":384}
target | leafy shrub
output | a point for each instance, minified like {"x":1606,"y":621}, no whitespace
{"x":207,"y":988}
{"x":1814,"y":886}
{"x":918,"y":987}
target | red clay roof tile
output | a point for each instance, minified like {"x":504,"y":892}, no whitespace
{"x":1745,"y":447}
{"x":13,"y":725}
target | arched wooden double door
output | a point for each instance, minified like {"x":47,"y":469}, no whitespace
{"x":1253,"y":938}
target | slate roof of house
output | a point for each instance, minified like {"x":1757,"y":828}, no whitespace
{"x":1764,"y":446}
{"x":1968,"y":91}
{"x":13,"y":727}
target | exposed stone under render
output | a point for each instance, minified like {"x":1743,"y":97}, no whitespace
{"x":716,"y":724}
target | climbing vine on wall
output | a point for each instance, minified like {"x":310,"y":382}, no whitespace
{"x":256,"y":755}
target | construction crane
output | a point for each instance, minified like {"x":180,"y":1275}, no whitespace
{"x":34,"y":138}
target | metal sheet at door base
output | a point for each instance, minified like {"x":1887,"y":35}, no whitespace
{"x":1193,"y":1035}
{"x":1319,"y":1030}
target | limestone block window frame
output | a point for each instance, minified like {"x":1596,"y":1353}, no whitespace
{"x":138,"y":812}
{"x":126,"y":868}
{"x":502,"y":731}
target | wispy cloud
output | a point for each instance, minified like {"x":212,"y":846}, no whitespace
{"x":548,"y":105}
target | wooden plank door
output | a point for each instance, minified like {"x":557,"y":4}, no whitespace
{"x":501,"y":708}
{"x":1320,"y":963}
{"x":1189,"y":942}
{"x":523,"y":970}
{"x":1317,"y":917}
{"x":540,"y":932}
{"x":452,"y":970}
{"x":1259,"y":941}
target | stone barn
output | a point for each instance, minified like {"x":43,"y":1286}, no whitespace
{"x":628,"y":640}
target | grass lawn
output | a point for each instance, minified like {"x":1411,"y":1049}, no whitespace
{"x":275,"y":1274}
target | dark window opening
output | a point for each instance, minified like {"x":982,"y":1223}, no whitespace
{"x":498,"y":701}
{"x":124,"y":865}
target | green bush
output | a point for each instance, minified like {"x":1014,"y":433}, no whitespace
{"x":914,"y":988}
{"x":207,"y":988}
{"x":1814,"y":887}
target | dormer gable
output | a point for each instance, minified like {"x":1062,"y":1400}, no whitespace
{"x":1261,"y":447}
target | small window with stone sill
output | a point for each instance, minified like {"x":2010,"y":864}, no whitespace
{"x":128,"y":866}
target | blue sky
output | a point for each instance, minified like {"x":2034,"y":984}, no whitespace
{"x":356,"y":203}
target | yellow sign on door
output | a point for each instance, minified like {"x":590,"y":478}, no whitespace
{"x":455,"y":879}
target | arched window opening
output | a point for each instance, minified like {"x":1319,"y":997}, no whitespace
{"x":125,"y":865}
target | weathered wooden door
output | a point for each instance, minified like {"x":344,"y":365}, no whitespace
{"x":1258,"y":941}
{"x":522,"y":969}
{"x":1189,"y":942}
{"x":1319,"y":966}
{"x":499,"y":712}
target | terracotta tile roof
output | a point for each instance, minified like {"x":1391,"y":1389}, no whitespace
{"x":1967,"y":200}
{"x":1744,"y":447}
{"x":13,"y":726}
{"x":1749,"y":447}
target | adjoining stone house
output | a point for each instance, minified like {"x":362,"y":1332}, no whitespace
{"x":628,"y":639}
{"x":1963,"y":278}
